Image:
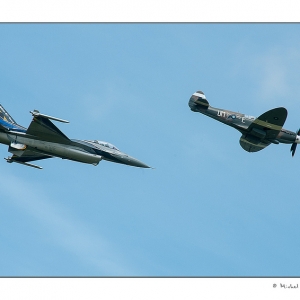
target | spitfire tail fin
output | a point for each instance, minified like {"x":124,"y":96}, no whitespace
{"x":198,"y":101}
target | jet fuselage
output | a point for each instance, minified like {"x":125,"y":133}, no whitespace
{"x":85,"y":151}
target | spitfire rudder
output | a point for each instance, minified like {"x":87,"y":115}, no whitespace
{"x":198,"y":101}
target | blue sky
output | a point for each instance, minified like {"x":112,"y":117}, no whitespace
{"x":208,"y":208}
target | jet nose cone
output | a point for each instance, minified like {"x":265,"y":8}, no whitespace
{"x":129,"y":160}
{"x":136,"y":163}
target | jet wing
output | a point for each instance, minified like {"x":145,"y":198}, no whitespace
{"x":264,"y":130}
{"x":42,"y":128}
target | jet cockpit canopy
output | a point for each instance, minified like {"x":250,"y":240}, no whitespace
{"x":105,"y":144}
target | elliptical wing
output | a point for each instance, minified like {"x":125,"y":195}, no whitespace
{"x":264,"y":130}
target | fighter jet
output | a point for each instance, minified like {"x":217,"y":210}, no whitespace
{"x":42,"y":140}
{"x":257,"y":133}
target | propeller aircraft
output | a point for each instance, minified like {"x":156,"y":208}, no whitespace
{"x":257,"y":133}
{"x":42,"y":140}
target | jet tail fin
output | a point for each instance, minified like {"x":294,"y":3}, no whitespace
{"x":7,"y":122}
{"x":5,"y":116}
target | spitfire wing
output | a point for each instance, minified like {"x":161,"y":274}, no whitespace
{"x":270,"y":122}
{"x":252,"y":145}
{"x":42,"y":128}
{"x":264,"y":130}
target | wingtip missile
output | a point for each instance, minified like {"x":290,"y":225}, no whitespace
{"x":36,"y":113}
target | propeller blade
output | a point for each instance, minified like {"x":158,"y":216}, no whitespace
{"x":294,"y":145}
{"x":293,"y":149}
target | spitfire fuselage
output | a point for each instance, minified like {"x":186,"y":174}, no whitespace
{"x":258,"y":132}
{"x":241,"y":122}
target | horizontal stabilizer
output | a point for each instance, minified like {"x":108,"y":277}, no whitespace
{"x":11,"y":160}
{"x":25,"y":156}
